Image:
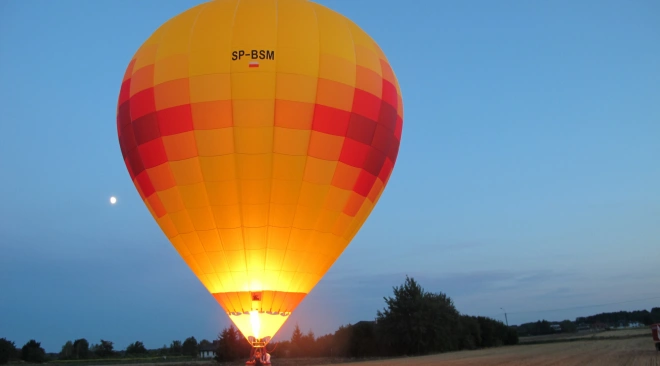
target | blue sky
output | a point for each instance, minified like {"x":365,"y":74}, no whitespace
{"x":527,"y":178}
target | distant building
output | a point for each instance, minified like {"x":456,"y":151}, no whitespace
{"x":555,"y":327}
{"x":208,"y":350}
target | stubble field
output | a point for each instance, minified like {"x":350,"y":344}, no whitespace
{"x":630,"y":349}
{"x":586,"y":335}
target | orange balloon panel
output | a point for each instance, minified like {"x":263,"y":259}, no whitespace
{"x":260,"y":134}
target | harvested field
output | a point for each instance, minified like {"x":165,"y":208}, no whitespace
{"x":562,"y":337}
{"x":646,"y":331}
{"x":636,"y":351}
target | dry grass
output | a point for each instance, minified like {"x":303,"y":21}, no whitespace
{"x":619,"y":333}
{"x":646,"y":331}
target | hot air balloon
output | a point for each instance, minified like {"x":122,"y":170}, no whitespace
{"x":260,"y":134}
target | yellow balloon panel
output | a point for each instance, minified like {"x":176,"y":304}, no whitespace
{"x":260,"y":135}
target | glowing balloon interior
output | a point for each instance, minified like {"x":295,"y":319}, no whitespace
{"x":260,"y":134}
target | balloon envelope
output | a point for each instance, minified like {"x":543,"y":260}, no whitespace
{"x":260,"y":134}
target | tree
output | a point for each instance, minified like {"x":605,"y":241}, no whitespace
{"x":568,"y":326}
{"x":296,"y":336}
{"x":104,"y":349}
{"x":363,"y":340}
{"x":494,"y":333}
{"x":190,"y":347}
{"x":444,"y":322}
{"x":81,"y":348}
{"x":324,"y":346}
{"x":308,"y":344}
{"x":402,"y":322}
{"x":8,"y":351}
{"x":544,"y":327}
{"x":227,"y":346}
{"x":33,"y":352}
{"x":511,"y":337}
{"x":418,"y":322}
{"x":67,"y":351}
{"x":341,"y":341}
{"x":296,"y":345}
{"x":175,"y":348}
{"x":136,"y":348}
{"x":655,"y":315}
{"x":469,"y":334}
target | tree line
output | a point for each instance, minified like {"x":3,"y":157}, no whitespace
{"x":80,"y":349}
{"x":414,"y":322}
{"x":603,"y":320}
{"x":623,"y":317}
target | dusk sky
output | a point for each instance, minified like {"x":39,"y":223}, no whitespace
{"x":527,"y":178}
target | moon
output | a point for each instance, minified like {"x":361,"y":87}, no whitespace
{"x":113,"y":200}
